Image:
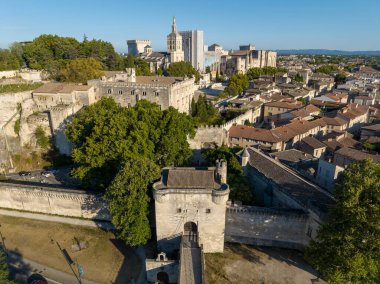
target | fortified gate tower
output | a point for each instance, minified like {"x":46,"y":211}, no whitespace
{"x":191,"y":202}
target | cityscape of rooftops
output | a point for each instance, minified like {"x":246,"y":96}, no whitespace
{"x":191,"y":143}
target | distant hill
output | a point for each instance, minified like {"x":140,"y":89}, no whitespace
{"x":326,"y":52}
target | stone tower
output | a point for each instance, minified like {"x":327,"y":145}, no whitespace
{"x":174,"y":43}
{"x":191,"y":201}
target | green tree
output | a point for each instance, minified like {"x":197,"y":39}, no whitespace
{"x":8,"y":60}
{"x":256,"y":72}
{"x":204,"y":112}
{"x":128,"y":200}
{"x":236,"y":178}
{"x":140,"y":65}
{"x":17,"y":127}
{"x":347,"y":248}
{"x":80,"y":70}
{"x":340,"y":79}
{"x":298,"y":78}
{"x":183,"y":69}
{"x":237,"y":84}
{"x":327,"y":69}
{"x":159,"y":72}
{"x":41,"y":137}
{"x":4,"y":271}
{"x":104,"y":136}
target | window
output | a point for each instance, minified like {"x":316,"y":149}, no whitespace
{"x":179,"y":210}
{"x":208,"y":210}
{"x":157,"y":93}
{"x":120,"y":92}
{"x":109,"y":91}
{"x":132,"y":92}
{"x":144,"y":93}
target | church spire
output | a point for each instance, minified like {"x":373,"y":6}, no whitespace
{"x":174,"y":25}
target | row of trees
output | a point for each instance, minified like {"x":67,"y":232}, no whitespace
{"x":256,"y":72}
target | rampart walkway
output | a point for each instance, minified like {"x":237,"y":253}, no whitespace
{"x":191,"y":261}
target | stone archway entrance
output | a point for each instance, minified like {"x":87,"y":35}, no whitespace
{"x":162,"y":277}
{"x":190,"y":233}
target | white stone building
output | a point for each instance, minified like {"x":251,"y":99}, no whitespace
{"x":174,"y":43}
{"x":126,"y":89}
{"x":137,"y":46}
{"x":191,"y":201}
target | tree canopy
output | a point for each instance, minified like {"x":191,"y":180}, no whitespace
{"x":237,"y":84}
{"x":183,"y":69}
{"x":4,"y":272}
{"x":8,"y":60}
{"x":80,"y":70}
{"x":347,"y":248}
{"x":327,"y":69}
{"x":256,"y":72}
{"x":236,"y":178}
{"x":128,"y":200}
{"x":105,"y":135}
{"x":141,"y":66}
{"x":204,"y":112}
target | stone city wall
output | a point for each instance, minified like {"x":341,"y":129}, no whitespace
{"x":267,"y":227}
{"x":51,"y":200}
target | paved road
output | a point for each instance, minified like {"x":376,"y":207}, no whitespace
{"x":59,"y":219}
{"x":191,"y":267}
{"x":22,"y":268}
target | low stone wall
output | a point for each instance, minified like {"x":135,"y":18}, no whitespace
{"x":53,"y":200}
{"x":267,"y":227}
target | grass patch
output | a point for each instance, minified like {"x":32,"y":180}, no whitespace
{"x":14,"y":88}
{"x":102,"y":260}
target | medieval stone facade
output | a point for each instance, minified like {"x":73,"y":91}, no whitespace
{"x":241,"y":60}
{"x":174,"y":42}
{"x":191,"y":201}
{"x":126,"y":89}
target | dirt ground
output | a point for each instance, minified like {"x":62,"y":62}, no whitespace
{"x":102,"y":260}
{"x":248,"y":264}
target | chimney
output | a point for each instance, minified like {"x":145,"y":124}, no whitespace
{"x":221,"y":171}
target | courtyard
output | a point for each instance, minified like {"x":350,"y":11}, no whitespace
{"x":261,"y":265}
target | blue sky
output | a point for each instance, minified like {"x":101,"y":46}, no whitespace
{"x":270,"y":24}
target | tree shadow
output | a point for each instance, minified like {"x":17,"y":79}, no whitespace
{"x":244,"y":251}
{"x":19,"y":270}
{"x":289,"y":256}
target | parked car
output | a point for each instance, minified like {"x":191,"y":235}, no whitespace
{"x":46,"y":173}
{"x":24,"y":173}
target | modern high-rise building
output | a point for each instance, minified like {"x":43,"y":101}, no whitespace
{"x":193,"y":48}
{"x":137,"y":46}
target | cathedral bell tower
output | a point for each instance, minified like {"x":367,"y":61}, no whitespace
{"x":174,"y":43}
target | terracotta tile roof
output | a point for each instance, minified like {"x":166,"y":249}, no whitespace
{"x":289,"y":104}
{"x":352,"y":111}
{"x":356,"y":155}
{"x":312,"y":108}
{"x":61,"y":88}
{"x":374,"y":127}
{"x":291,"y":184}
{"x":336,"y":121}
{"x":162,"y":80}
{"x":313,"y":142}
{"x":189,"y":178}
{"x":291,"y":155}
{"x":248,"y":132}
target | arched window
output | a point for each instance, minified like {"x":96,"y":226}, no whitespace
{"x":109,"y":91}
{"x":120,"y":92}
